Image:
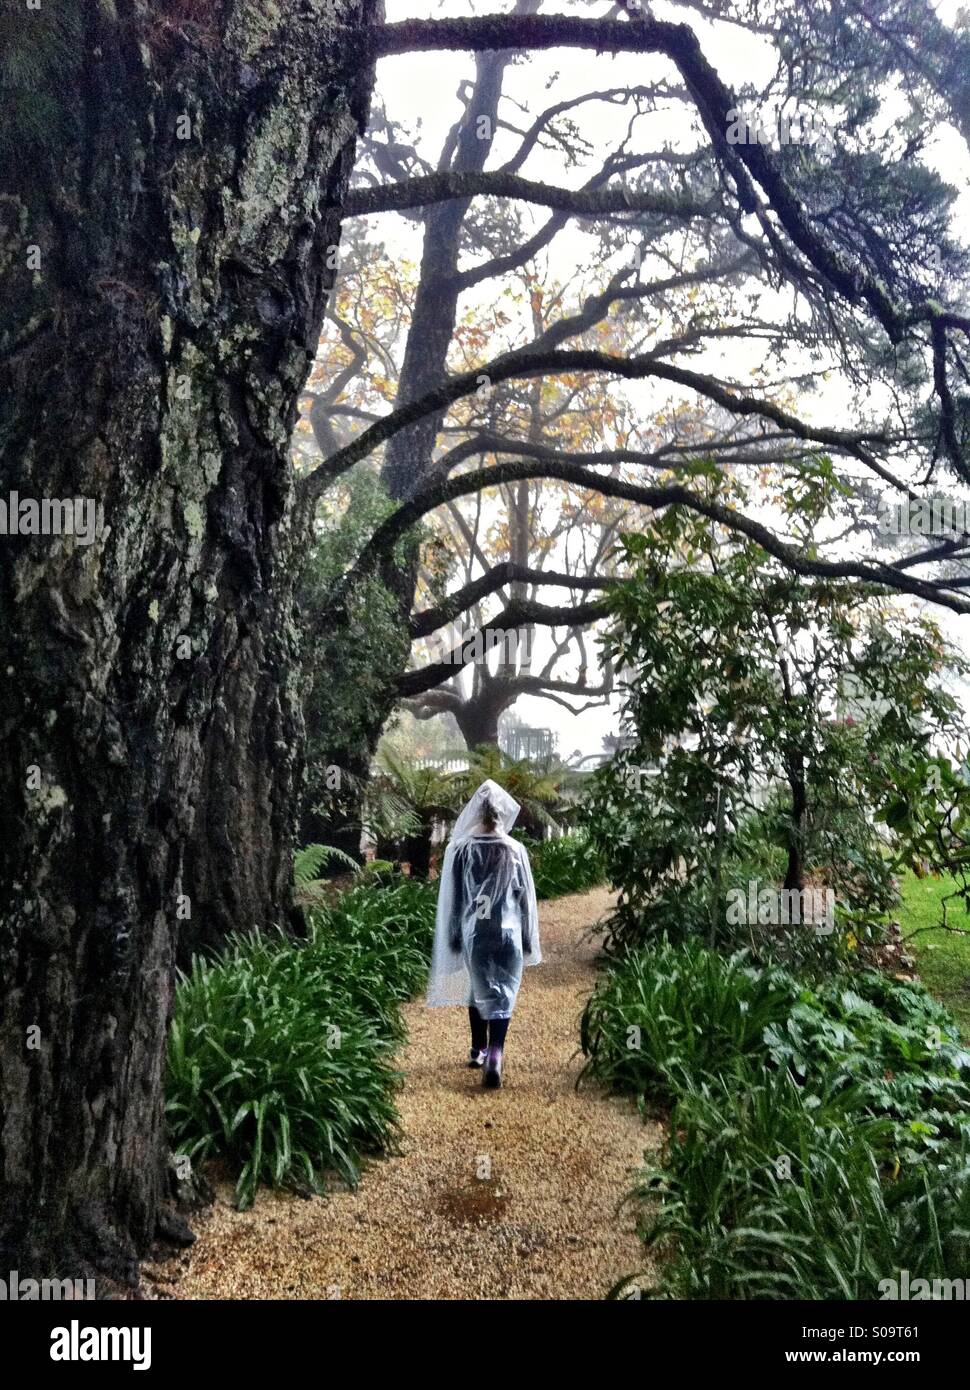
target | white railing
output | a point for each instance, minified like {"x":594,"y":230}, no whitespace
{"x":454,"y":764}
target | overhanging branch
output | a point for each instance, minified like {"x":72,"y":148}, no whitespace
{"x":387,"y":535}
{"x":430,"y":619}
{"x":526,"y":364}
{"x":713,"y":100}
{"x":519,"y":613}
{"x":445,"y":187}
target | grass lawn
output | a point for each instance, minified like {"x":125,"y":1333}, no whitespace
{"x":942,"y":958}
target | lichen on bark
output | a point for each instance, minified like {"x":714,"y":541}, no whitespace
{"x":154,"y":365}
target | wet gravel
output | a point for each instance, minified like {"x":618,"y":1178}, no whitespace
{"x":507,"y":1194}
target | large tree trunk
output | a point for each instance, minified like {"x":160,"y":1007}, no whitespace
{"x":478,"y":717}
{"x":409,"y":453}
{"x":163,"y":255}
{"x":435,"y":310}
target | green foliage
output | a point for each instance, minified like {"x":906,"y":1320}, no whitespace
{"x":307,"y":865}
{"x":353,"y":657}
{"x":773,"y":719}
{"x":942,"y":953}
{"x":928,"y":811}
{"x":819,"y":1137}
{"x":378,"y":871}
{"x":308,"y":862}
{"x":279,"y":1055}
{"x":692,"y":1011}
{"x":534,"y":785}
{"x":404,"y":804}
{"x":837,"y":1225}
{"x":568,"y":864}
{"x":407,"y":799}
{"x":380,"y":938}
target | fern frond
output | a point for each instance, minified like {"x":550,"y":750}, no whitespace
{"x":308,"y":862}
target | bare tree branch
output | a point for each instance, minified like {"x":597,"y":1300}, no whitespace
{"x":517,"y":614}
{"x":713,"y":99}
{"x":506,"y":572}
{"x":884,"y":576}
{"x":448,"y":186}
{"x":530,"y":364}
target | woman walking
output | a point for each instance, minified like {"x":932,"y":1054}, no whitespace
{"x":487,"y":926}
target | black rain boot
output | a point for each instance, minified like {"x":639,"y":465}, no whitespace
{"x":492,"y":1076}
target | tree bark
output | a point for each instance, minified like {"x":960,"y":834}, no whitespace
{"x":409,"y":453}
{"x":795,"y":865}
{"x":164,"y":275}
{"x":478,"y":716}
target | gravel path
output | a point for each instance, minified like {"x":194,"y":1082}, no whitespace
{"x":497,"y":1194}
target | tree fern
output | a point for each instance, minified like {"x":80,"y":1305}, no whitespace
{"x":533,"y":785}
{"x":307,"y":865}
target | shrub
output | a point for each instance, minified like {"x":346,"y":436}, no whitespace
{"x":379,"y":942}
{"x":820,"y":1135}
{"x":769,"y":1191}
{"x":569,"y":864}
{"x":777,"y":730}
{"x":279,"y":1056}
{"x":662,"y":1016}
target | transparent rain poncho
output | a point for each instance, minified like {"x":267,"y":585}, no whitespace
{"x":488,"y":922}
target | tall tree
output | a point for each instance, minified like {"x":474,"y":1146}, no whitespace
{"x":853,"y":242}
{"x":170,"y":185}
